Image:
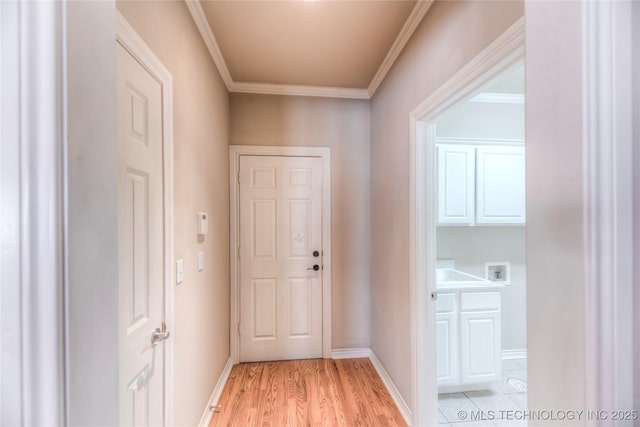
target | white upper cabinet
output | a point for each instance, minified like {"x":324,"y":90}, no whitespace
{"x":456,"y":184}
{"x":480,"y":185}
{"x":500,"y":185}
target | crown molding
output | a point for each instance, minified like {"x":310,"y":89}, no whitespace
{"x":200,"y":19}
{"x":419,"y":11}
{"x":499,"y":98}
{"x":207,"y":35}
{"x":298,"y":90}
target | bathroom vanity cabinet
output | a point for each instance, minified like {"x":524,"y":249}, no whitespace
{"x":468,"y":337}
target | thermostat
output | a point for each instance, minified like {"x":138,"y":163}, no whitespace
{"x":203,"y":222}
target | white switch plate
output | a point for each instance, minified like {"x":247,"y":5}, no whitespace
{"x":200,"y":261}
{"x":179,"y":271}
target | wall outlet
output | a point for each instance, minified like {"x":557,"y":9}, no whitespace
{"x":179,"y":271}
{"x":200,"y":261}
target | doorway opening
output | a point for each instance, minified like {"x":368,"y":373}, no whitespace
{"x":457,"y":341}
{"x":480,"y":255}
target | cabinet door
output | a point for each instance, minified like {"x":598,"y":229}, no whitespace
{"x":447,"y":338}
{"x":447,"y":348}
{"x":500,"y":184}
{"x":456,"y":184}
{"x":480,"y":346}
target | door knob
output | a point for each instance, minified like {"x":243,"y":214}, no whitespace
{"x":159,"y":335}
{"x":314,"y":268}
{"x":316,"y":254}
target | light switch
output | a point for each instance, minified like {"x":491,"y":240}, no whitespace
{"x":179,"y":271}
{"x":200,"y":261}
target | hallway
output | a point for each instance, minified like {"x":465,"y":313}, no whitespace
{"x":82,"y":302}
{"x":314,"y":392}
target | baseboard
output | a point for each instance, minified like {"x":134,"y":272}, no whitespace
{"x":393,"y":391}
{"x":350,"y":353}
{"x":514,"y":354}
{"x":215,"y":396}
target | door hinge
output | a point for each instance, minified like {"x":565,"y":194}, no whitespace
{"x":238,"y":177}
{"x":239,"y":329}
{"x":238,"y":252}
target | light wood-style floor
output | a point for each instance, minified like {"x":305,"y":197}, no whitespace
{"x":316,"y":392}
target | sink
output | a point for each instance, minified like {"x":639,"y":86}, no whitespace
{"x":450,"y":278}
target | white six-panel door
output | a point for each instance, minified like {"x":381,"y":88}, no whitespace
{"x":280,"y":229}
{"x":141,"y":242}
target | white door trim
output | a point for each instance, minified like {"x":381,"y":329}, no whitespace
{"x":608,"y":205}
{"x":135,"y":45}
{"x":235,"y":151}
{"x":32,"y":211}
{"x":501,"y":55}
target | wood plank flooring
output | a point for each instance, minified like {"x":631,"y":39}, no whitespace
{"x":316,"y":392}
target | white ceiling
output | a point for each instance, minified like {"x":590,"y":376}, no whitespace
{"x":322,"y":47}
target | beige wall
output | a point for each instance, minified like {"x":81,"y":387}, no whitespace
{"x":555,"y":247}
{"x":451,"y":34}
{"x":342,"y":125}
{"x":201,"y":183}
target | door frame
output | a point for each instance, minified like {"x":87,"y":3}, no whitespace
{"x":235,"y":151}
{"x":608,"y":204}
{"x":34,"y":374}
{"x":135,"y":45}
{"x":505,"y":52}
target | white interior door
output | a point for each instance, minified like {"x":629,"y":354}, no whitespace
{"x":140,"y":242}
{"x":280,"y":243}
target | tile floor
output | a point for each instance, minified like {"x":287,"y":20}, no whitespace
{"x":501,"y":397}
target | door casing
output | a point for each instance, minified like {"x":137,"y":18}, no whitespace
{"x":135,"y":45}
{"x":235,"y":151}
{"x":506,"y":52}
